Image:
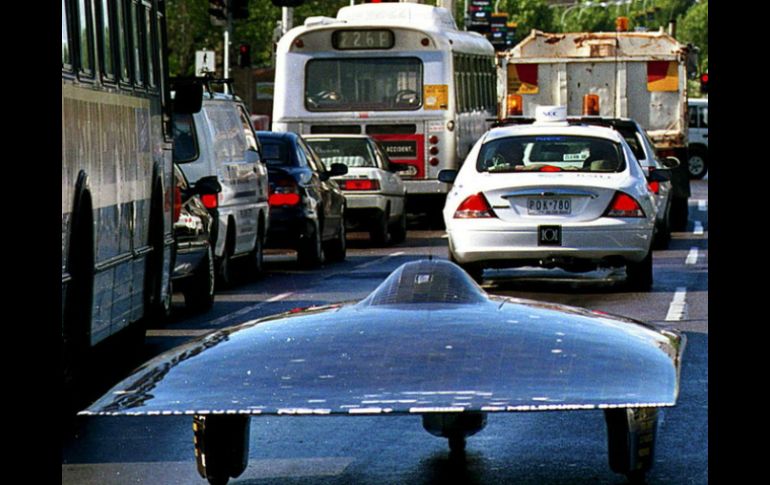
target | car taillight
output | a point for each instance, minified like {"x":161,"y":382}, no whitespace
{"x":654,"y":187}
{"x":211,"y":201}
{"x":283,"y":192}
{"x":177,"y":203}
{"x":623,"y":205}
{"x":359,"y":184}
{"x":474,"y":207}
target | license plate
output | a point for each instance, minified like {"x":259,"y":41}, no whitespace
{"x":549,"y":206}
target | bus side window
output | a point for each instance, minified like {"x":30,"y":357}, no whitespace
{"x":85,"y":38}
{"x":66,"y":50}
{"x":149,"y":49}
{"x":121,"y":28}
{"x":136,"y":30}
{"x":106,"y":33}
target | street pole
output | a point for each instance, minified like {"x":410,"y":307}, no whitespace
{"x":287,"y":19}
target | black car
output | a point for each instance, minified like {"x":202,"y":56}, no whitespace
{"x":307,"y":209}
{"x":194,"y":272}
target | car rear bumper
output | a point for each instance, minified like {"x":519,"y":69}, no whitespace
{"x":597,"y":244}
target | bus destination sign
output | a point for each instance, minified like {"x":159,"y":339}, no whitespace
{"x":362,"y":39}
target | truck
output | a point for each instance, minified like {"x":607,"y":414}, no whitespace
{"x":637,"y":75}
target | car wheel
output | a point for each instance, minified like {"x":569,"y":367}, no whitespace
{"x":398,"y":230}
{"x":337,"y":248}
{"x":662,"y":236}
{"x":225,"y":269}
{"x":680,"y":212}
{"x":639,"y":275}
{"x":199,"y":291}
{"x":697,"y":163}
{"x":256,"y":258}
{"x":311,"y":252}
{"x":379,"y":232}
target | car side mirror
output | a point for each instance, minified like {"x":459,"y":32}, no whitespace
{"x":208,"y":186}
{"x":338,"y":169}
{"x":671,"y":162}
{"x":447,"y":176}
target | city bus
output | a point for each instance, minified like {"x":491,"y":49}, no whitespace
{"x":117,"y":186}
{"x":400,"y":72}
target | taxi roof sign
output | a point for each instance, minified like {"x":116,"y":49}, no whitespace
{"x":550,"y":114}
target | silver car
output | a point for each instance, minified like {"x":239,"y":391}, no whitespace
{"x":374,"y":192}
{"x":552,"y":194}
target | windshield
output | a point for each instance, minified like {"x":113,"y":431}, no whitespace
{"x":276,"y":152}
{"x":550,"y":154}
{"x":353,"y":152}
{"x":372,"y":84}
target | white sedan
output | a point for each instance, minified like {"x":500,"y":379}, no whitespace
{"x":374,"y":193}
{"x":551,"y":194}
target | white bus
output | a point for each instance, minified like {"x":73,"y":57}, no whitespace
{"x":400,"y":72}
{"x":117,"y":239}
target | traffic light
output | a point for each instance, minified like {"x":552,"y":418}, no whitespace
{"x":704,"y":83}
{"x":240,"y":9}
{"x":244,"y":55}
{"x":218,"y":12}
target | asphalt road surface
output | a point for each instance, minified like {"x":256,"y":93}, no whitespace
{"x":567,"y":447}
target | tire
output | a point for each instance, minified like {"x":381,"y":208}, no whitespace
{"x":379,"y":231}
{"x":680,"y":213}
{"x":398,"y":230}
{"x":631,"y":435}
{"x":639,"y":275}
{"x":226,"y":271}
{"x":697,"y":163}
{"x":256,"y":256}
{"x":157,"y":307}
{"x":199,"y":290}
{"x":221,"y":446}
{"x":310,"y":253}
{"x":662,"y":235}
{"x":337,"y":248}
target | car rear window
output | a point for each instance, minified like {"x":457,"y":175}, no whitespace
{"x":349,"y":151}
{"x":550,"y":153}
{"x":276,"y":152}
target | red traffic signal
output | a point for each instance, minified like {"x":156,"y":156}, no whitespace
{"x":244,"y":55}
{"x":704,"y":82}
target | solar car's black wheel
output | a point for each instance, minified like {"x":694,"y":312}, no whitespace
{"x":631,"y":441}
{"x":221,"y":446}
{"x":457,"y":444}
{"x":199,"y":291}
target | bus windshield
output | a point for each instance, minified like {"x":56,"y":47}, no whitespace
{"x":372,"y":84}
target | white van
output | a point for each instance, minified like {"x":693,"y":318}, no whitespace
{"x":220,"y":140}
{"x":698,"y":137}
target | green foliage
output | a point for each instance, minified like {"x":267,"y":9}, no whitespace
{"x":528,"y":14}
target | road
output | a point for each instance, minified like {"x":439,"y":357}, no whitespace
{"x":522,"y":448}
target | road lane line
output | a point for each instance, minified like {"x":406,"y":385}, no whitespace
{"x":677,"y":310}
{"x":215,"y":324}
{"x":692,"y":256}
{"x":698,"y":229}
{"x":379,"y":260}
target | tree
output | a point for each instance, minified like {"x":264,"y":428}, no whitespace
{"x":528,"y":14}
{"x":693,"y":28}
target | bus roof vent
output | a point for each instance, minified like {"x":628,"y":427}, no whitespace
{"x":321,"y":20}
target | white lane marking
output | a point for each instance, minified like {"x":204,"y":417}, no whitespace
{"x":703,"y":205}
{"x":698,"y":229}
{"x":678,"y":308}
{"x":692,"y":256}
{"x":215,"y":323}
{"x":379,"y":260}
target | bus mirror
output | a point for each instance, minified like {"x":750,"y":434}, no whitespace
{"x":188,"y":98}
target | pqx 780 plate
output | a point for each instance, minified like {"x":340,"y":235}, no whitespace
{"x":549,"y":235}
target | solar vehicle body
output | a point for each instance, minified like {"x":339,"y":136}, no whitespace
{"x":428,"y":341}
